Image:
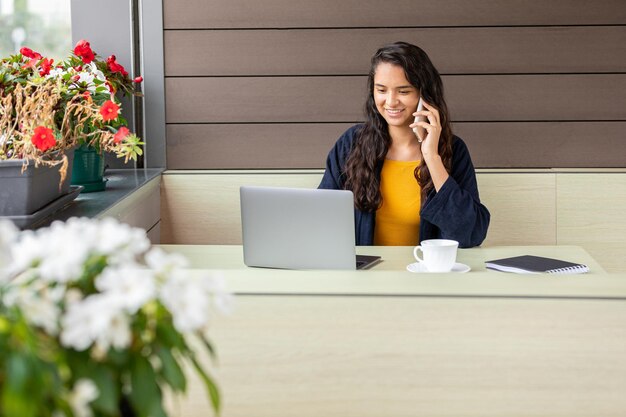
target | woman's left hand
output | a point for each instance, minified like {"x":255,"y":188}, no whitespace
{"x":430,"y":144}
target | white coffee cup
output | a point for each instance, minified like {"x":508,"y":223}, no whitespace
{"x":439,"y":254}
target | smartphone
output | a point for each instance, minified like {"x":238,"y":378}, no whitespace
{"x":420,"y":131}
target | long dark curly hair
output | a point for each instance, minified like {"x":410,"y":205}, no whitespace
{"x":373,"y":141}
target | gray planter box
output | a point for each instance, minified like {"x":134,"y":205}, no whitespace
{"x":25,"y":193}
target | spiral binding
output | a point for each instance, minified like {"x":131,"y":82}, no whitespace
{"x":578,"y":269}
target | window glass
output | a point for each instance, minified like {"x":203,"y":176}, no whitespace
{"x":42,"y":25}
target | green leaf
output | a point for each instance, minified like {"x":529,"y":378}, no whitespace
{"x":145,"y":395}
{"x":5,"y":325}
{"x":209,"y":347}
{"x":171,"y":371}
{"x":105,"y":378}
{"x":79,"y":362}
{"x":16,"y":404}
{"x":170,"y":337}
{"x":108,"y":398}
{"x":212,"y":389}
{"x":15,"y":399}
{"x":17,"y":372}
{"x":119,"y":357}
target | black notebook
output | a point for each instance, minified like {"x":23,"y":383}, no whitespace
{"x":529,"y":264}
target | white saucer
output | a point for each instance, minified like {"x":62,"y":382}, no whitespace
{"x":418,"y":267}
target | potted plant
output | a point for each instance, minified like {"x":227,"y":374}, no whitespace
{"x":95,"y":323}
{"x":48,"y":109}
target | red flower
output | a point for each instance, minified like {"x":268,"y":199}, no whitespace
{"x":46,"y":65}
{"x":109,"y":111}
{"x":86,"y":95}
{"x":138,"y":79}
{"x":115,"y":67}
{"x":75,"y":78}
{"x":43,"y":138}
{"x":110,"y":86}
{"x":32,"y":63}
{"x":29,"y":53}
{"x":83,"y":50}
{"x":121,"y":134}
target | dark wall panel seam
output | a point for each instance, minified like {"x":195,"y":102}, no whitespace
{"x":264,"y":123}
{"x":361,"y":121}
{"x":387,"y":27}
{"x":459,"y":74}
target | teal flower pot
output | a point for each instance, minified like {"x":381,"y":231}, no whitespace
{"x":88,"y":169}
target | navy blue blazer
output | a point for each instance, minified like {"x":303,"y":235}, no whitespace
{"x":454,"y":212}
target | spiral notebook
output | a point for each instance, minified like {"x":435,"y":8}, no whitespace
{"x":529,"y":264}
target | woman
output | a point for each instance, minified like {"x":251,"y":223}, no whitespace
{"x":408,"y":186}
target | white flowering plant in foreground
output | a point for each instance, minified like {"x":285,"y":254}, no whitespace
{"x":94,"y":322}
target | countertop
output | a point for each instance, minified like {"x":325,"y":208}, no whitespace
{"x":120,"y":185}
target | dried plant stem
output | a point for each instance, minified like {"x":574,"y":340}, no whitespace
{"x":22,"y":111}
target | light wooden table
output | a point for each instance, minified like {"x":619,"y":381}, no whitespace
{"x":395,"y":258}
{"x":386,"y":342}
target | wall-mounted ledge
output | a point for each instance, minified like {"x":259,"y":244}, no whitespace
{"x":321,"y":171}
{"x":132,"y":196}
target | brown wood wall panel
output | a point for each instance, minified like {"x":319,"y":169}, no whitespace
{"x":264,"y":99}
{"x":492,"y":145}
{"x":338,"y":51}
{"x":206,"y":14}
{"x":273,"y":83}
{"x":591,"y":97}
{"x":545,"y":144}
{"x":251,"y":145}
{"x":581,"y":97}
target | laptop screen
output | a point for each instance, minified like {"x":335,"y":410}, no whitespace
{"x":297,"y":228}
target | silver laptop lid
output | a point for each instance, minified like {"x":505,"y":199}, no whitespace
{"x":297,"y":228}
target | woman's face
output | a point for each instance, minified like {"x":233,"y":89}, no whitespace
{"x":396,"y":99}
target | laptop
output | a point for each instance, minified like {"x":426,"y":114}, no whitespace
{"x":299,"y":228}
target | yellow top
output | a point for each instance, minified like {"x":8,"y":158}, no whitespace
{"x":398,"y":218}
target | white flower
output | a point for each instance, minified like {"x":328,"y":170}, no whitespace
{"x":44,"y":262}
{"x":8,"y":235}
{"x":99,"y":318}
{"x":163,"y":263}
{"x":60,"y":252}
{"x":56,"y":73}
{"x":189,"y":298}
{"x":85,"y":79}
{"x":184,"y":298}
{"x":133,"y":285}
{"x":93,"y":68}
{"x":38,"y":303}
{"x":222,"y":299}
{"x":94,"y":73}
{"x":117,"y":335}
{"x":64,"y":262}
{"x":120,"y":241}
{"x":73,"y":295}
{"x":25,"y":251}
{"x":84,"y":392}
